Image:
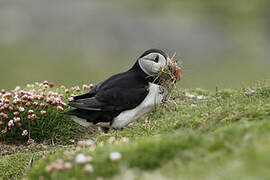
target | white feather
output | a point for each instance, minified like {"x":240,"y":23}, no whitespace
{"x":153,"y":98}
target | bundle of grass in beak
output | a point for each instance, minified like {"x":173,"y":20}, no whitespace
{"x":168,"y":76}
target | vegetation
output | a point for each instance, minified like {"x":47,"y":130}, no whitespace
{"x":200,"y":134}
{"x":33,"y":113}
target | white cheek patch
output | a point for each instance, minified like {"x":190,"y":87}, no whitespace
{"x":146,"y":66}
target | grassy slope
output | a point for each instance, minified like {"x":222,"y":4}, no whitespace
{"x":225,"y":135}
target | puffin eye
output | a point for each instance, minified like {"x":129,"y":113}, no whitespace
{"x":156,"y":59}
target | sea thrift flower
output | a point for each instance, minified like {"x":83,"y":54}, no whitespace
{"x":17,"y":119}
{"x":85,"y":87}
{"x":35,"y":104}
{"x":59,"y":108}
{"x":88,"y":168}
{"x":21,"y":109}
{"x":6,"y":106}
{"x":67,"y":91}
{"x":42,"y":105}
{"x":62,"y":87}
{"x":45,"y":82}
{"x":16,"y":113}
{"x":10,"y":123}
{"x":3,"y":91}
{"x":30,"y":111}
{"x":80,"y":159}
{"x":6,"y":101}
{"x":27,"y":104}
{"x":77,"y":89}
{"x":51,"y":84}
{"x":91,"y":86}
{"x":45,"y":86}
{"x":4,"y":116}
{"x":10,"y":108}
{"x":40,"y":98}
{"x":19,"y":124}
{"x":43,"y":113}
{"x":24,"y":133}
{"x":115,"y":156}
{"x":4,"y":131}
{"x":33,"y":116}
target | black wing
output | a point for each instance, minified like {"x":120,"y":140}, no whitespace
{"x":120,"y":92}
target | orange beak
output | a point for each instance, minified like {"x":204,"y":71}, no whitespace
{"x":177,"y":74}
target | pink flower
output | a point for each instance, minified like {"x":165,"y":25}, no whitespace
{"x":43,"y":113}
{"x":21,"y":109}
{"x":115,"y":156}
{"x":1,"y":123}
{"x":88,"y":168}
{"x":85,"y":87}
{"x":4,"y":131}
{"x":45,"y":86}
{"x":30,"y":111}
{"x":6,"y":101}
{"x":35,"y":104}
{"x":40,"y":98}
{"x":30,"y":98}
{"x":3,"y":91}
{"x":27,"y":104}
{"x":15,"y":102}
{"x":45,"y":82}
{"x":62,"y":87}
{"x":5,"y":116}
{"x":19,"y":124}
{"x":67,"y":91}
{"x":33,"y":116}
{"x":91,"y":86}
{"x":42,"y":105}
{"x":10,"y":108}
{"x":6,"y":106}
{"x":17,"y":119}
{"x":10,"y":123}
{"x":25,"y":132}
{"x":80,"y":159}
{"x":77,"y":89}
{"x":51,"y":84}
{"x":24,"y":97}
{"x":16,"y":113}
{"x":59,"y":108}
{"x":63,"y":104}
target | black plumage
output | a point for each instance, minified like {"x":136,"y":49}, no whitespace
{"x":109,"y":98}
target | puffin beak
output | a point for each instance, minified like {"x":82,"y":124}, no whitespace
{"x":177,"y":74}
{"x":176,"y":70}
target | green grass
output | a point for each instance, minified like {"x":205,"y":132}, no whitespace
{"x":225,"y":135}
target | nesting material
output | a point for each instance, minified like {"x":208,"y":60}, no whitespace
{"x":168,"y":76}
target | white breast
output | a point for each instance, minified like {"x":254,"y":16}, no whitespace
{"x":154,"y":97}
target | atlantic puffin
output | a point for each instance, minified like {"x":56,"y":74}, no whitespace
{"x":124,"y":97}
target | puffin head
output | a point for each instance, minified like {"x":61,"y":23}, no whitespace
{"x":153,"y":60}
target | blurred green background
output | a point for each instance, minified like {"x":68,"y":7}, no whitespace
{"x":220,"y":43}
